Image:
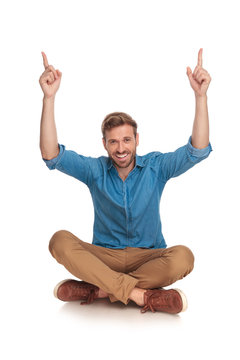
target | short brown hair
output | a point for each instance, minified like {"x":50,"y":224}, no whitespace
{"x":117,"y":119}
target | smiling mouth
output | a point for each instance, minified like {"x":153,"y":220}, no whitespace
{"x":121,"y":157}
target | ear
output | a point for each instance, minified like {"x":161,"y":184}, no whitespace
{"x":104,"y":143}
{"x":137,"y":139}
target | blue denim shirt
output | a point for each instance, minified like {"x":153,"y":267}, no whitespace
{"x":126,"y":213}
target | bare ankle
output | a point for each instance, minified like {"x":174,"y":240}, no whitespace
{"x":137,"y":295}
{"x":102,"y":294}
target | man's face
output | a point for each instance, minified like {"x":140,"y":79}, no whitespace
{"x":121,"y":146}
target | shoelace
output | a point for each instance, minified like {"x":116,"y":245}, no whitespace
{"x":148,"y":306}
{"x":90,"y":298}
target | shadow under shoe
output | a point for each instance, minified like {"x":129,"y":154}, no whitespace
{"x":171,"y":301}
{"x":72,"y":290}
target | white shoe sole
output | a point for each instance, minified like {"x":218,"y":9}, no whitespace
{"x":55,"y":290}
{"x":184,"y":299}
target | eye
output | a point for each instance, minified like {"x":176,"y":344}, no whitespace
{"x":127,"y":140}
{"x":112,"y":141}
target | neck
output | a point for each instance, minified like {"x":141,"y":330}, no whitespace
{"x":124,"y":172}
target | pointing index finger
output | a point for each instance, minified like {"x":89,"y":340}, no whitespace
{"x":200,"y":57}
{"x":45,"y":61}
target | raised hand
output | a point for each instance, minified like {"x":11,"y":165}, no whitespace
{"x":50,"y":79}
{"x":200,"y":78}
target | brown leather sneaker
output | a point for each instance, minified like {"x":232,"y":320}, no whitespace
{"x":72,"y":290}
{"x":172,"y":301}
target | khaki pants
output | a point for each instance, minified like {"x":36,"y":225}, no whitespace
{"x":118,"y":271}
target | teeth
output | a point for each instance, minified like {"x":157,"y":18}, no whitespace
{"x":122,"y":156}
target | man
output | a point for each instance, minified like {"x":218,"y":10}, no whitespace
{"x":128,"y":258}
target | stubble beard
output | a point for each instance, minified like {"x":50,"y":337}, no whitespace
{"x":122,"y":166}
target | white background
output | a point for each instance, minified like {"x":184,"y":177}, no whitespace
{"x":126,"y":56}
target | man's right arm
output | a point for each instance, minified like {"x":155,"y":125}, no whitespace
{"x":49,"y":82}
{"x":55,"y":155}
{"x":48,"y":132}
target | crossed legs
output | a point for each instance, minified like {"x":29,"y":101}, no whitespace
{"x":121,"y":274}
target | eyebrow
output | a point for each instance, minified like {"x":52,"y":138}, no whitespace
{"x":125,"y":137}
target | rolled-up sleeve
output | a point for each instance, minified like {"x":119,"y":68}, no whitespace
{"x":199,"y":153}
{"x":51,"y":164}
{"x":175,"y":163}
{"x":71,"y":163}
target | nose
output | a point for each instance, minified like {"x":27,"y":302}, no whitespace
{"x":120,"y":147}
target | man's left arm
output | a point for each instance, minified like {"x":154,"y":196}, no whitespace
{"x":198,"y":148}
{"x":199,"y":81}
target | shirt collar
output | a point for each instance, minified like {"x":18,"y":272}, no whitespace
{"x":139,"y":162}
